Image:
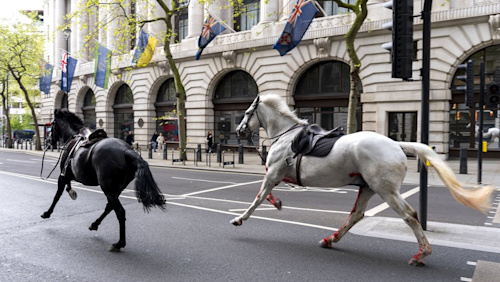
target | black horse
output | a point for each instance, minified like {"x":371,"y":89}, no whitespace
{"x":108,"y":162}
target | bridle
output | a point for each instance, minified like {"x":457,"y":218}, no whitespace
{"x":47,"y":147}
{"x":256,"y":103}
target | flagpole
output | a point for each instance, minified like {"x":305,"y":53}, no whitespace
{"x":220,"y":21}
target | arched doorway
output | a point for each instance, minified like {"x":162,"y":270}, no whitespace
{"x":124,"y":113}
{"x":322,"y":95}
{"x":233,"y":95}
{"x":166,"y":118}
{"x":462,"y":135}
{"x":64,"y":101}
{"x":88,"y":109}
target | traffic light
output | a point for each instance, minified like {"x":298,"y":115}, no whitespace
{"x":468,"y":78}
{"x":493,"y":95}
{"x":401,"y":46}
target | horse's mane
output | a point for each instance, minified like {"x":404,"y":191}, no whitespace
{"x":277,"y":102}
{"x":73,"y":120}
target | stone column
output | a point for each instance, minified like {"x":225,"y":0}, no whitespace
{"x":269,"y":10}
{"x":157,"y":29}
{"x":59,"y":42}
{"x":196,"y":19}
{"x":287,"y":8}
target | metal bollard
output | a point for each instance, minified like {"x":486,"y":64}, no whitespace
{"x":198,"y":153}
{"x":219,"y":153}
{"x":240,"y":154}
{"x":264,"y":154}
{"x":463,"y":161}
{"x":165,"y":154}
{"x":150,"y":150}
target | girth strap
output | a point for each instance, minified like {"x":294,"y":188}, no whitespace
{"x":297,"y":170}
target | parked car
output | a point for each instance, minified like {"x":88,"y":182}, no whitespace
{"x":23,"y":134}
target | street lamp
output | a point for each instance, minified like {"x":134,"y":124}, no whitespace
{"x":67,"y":33}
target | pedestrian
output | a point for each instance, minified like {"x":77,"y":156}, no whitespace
{"x":210,"y":141}
{"x":153,"y":140}
{"x":130,"y":138}
{"x":160,"y":140}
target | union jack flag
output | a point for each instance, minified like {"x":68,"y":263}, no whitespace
{"x":301,"y":17}
{"x":211,"y":28}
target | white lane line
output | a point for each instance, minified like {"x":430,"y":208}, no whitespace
{"x":465,"y":279}
{"x":192,"y":206}
{"x":203,"y":180}
{"x":220,"y":188}
{"x":385,"y":206}
{"x":18,"y":161}
{"x":472,"y":262}
{"x":257,"y":209}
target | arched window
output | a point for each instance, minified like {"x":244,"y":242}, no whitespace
{"x":233,"y":95}
{"x":88,"y":109}
{"x":462,"y":135}
{"x":64,"y":101}
{"x":166,"y":118}
{"x":322,"y":95}
{"x":123,"y":110}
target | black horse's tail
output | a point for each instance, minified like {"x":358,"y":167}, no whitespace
{"x":146,"y":189}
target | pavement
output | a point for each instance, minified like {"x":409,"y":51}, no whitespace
{"x":480,"y":238}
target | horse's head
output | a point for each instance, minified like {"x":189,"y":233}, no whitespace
{"x":64,"y":126}
{"x":250,"y":121}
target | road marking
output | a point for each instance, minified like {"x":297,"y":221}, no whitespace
{"x":465,"y":279}
{"x":257,"y":209}
{"x":203,"y":180}
{"x":472,"y":262}
{"x":385,"y":206}
{"x":220,"y":188}
{"x":18,"y":161}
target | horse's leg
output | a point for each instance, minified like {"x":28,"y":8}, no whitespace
{"x":61,"y":183}
{"x":98,"y":221}
{"x":265,"y":189}
{"x":120,"y":214}
{"x":72,"y":193}
{"x":409,"y":215}
{"x":357,"y":213}
{"x":274,"y":201}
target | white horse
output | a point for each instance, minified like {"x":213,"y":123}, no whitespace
{"x":492,"y":133}
{"x":375,"y":163}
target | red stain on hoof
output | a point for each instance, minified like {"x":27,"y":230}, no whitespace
{"x":325,"y":243}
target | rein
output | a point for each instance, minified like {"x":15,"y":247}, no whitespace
{"x":58,"y":160}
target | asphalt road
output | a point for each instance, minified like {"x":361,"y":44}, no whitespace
{"x":194,"y":241}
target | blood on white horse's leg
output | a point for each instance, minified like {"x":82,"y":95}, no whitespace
{"x":274,"y":201}
{"x":409,"y":215}
{"x":357,"y":213}
{"x":265,"y":189}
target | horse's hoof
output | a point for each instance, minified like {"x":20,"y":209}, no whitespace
{"x":325,"y":243}
{"x":114,"y":249}
{"x":236,"y":222}
{"x":72,"y":194}
{"x":93,"y":227}
{"x":417,"y":262}
{"x":277,"y":204}
{"x":45,"y":215}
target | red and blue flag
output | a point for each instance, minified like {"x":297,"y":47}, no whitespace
{"x":68,"y":66}
{"x":211,"y":28}
{"x":301,"y":17}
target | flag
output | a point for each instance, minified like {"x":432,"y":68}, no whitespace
{"x":301,"y":17}
{"x":102,"y":66}
{"x":145,"y":49}
{"x":68,"y":66}
{"x":46,"y":78}
{"x":211,"y":28}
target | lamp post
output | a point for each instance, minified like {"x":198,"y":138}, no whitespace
{"x":67,"y":33}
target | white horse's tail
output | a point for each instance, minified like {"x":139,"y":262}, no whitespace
{"x":479,"y":198}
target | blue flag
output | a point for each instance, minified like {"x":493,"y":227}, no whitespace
{"x":46,"y":78}
{"x":68,"y":66}
{"x":102,"y":67}
{"x":211,"y":28}
{"x":301,"y":17}
{"x":146,"y":45}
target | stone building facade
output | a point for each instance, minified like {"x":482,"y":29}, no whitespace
{"x":314,"y":77}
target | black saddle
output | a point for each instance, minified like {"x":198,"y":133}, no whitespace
{"x":95,"y":137}
{"x":313,"y":140}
